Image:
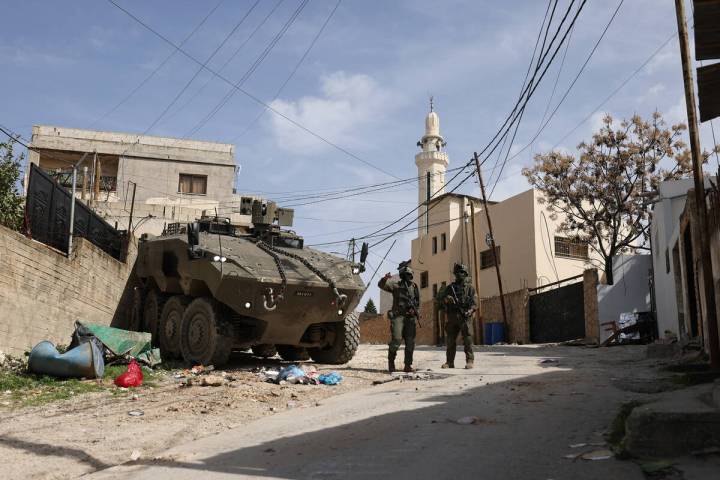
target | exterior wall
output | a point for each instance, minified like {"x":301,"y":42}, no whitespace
{"x":629,"y":293}
{"x":514,"y":233}
{"x":158,"y":181}
{"x":42,"y":293}
{"x":448,"y":217}
{"x":590,"y":302}
{"x":548,"y":266}
{"x":375,"y":329}
{"x":665,"y":241}
{"x":517,"y":307}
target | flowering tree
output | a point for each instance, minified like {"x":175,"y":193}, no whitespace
{"x":603,"y":191}
{"x":11,"y":203}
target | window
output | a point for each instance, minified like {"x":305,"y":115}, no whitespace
{"x":487,"y":259}
{"x":443,"y":242}
{"x":434,"y":245}
{"x":193,"y":184}
{"x":435,"y":290}
{"x":571,"y":248}
{"x":423,"y":279}
{"x":667,"y":261}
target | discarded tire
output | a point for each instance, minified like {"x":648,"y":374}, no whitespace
{"x":202,"y":337}
{"x":347,"y":339}
{"x":293,"y":354}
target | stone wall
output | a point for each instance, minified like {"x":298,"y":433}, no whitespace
{"x":42,"y":292}
{"x":592,"y":318}
{"x":375,"y":329}
{"x":518,"y":315}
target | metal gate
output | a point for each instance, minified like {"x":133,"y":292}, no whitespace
{"x":47,"y":211}
{"x":558,"y":315}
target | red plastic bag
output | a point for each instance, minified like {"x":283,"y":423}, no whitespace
{"x":132,"y":378}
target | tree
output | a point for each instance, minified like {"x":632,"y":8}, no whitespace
{"x":11,"y":203}
{"x":603,"y":192}
{"x":370,"y":307}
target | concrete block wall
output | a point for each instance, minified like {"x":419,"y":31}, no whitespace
{"x":42,"y":292}
{"x":517,"y":307}
{"x":375,"y":329}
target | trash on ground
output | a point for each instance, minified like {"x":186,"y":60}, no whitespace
{"x":136,"y":413}
{"x":471,"y":420}
{"x":332,"y":378}
{"x":603,"y":454}
{"x":212,"y":381}
{"x":548,"y":361}
{"x":85,"y":360}
{"x":578,"y":445}
{"x":135,"y":455}
{"x":293,"y":374}
{"x":118,"y":343}
{"x":133,"y":377}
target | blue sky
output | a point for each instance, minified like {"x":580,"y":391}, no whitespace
{"x":364,"y":85}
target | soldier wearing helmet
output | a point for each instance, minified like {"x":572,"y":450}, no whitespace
{"x":403,"y":315}
{"x":459,"y":301}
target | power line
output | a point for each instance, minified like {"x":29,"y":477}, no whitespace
{"x":292,"y":73}
{"x":246,"y":76}
{"x":228,"y":60}
{"x":156,"y":69}
{"x":248,"y":94}
{"x":204,"y":65}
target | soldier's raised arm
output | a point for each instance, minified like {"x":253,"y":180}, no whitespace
{"x":386,"y":283}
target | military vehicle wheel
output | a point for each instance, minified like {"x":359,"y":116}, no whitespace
{"x":264,"y":350}
{"x":154,"y":302}
{"x":347,"y":339}
{"x":135,"y":316}
{"x":291,"y":353}
{"x":169,"y":325}
{"x":201,"y":338}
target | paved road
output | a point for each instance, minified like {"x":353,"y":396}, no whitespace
{"x":529,"y":413}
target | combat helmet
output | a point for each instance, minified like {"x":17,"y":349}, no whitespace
{"x":405,"y":271}
{"x":460,"y":270}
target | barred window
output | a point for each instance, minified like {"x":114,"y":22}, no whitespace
{"x":487,"y":259}
{"x":434,"y":245}
{"x":571,"y":248}
{"x":443,"y":241}
{"x":423,"y":279}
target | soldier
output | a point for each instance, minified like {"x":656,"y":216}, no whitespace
{"x":403,"y":315}
{"x":460,"y":304}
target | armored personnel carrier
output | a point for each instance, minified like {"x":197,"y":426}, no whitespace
{"x":210,"y":287}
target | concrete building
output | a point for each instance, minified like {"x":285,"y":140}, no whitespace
{"x":176,"y":179}
{"x":531,"y":252}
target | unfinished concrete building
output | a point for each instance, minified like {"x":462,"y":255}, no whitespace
{"x":173,"y":179}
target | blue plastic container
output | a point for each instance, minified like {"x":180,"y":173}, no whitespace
{"x":494,"y":332}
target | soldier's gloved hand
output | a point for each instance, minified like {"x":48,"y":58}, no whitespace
{"x":388,"y":275}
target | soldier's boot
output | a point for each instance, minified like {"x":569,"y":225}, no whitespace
{"x":468,"y":365}
{"x":391,"y":363}
{"x":447,"y":365}
{"x":408,"y":368}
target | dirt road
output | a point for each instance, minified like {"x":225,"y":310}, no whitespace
{"x":523,"y":413}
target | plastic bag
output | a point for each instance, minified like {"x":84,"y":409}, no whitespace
{"x":332,"y":378}
{"x":291,"y":371}
{"x":132,"y":378}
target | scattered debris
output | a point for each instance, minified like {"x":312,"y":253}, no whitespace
{"x":133,"y":377}
{"x":546,"y":361}
{"x":603,"y":454}
{"x":85,"y":360}
{"x":578,"y":445}
{"x":212,"y":381}
{"x":136,"y":413}
{"x":332,"y":378}
{"x":135,"y":455}
{"x":467,"y":420}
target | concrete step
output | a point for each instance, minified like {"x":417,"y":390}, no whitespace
{"x":680,"y":423}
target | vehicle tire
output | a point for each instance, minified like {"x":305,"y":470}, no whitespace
{"x":135,"y":315}
{"x":169,"y":325}
{"x":292,"y":353}
{"x":203,"y":336}
{"x":152,"y":307}
{"x":264,"y":350}
{"x":347,"y":339}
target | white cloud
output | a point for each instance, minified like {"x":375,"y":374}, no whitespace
{"x":349,"y":103}
{"x":651,"y":93}
{"x":29,"y":56}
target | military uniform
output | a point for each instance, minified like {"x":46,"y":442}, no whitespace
{"x":459,"y":301}
{"x":406,"y":299}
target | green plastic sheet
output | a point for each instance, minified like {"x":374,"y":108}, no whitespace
{"x":124,"y":342}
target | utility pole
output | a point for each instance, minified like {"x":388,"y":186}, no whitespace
{"x":132,"y":210}
{"x":706,"y":259}
{"x":476,"y":271}
{"x":492,"y":238}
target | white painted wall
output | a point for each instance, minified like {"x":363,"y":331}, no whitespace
{"x":629,"y":293}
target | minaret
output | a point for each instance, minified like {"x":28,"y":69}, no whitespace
{"x":431,"y":162}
